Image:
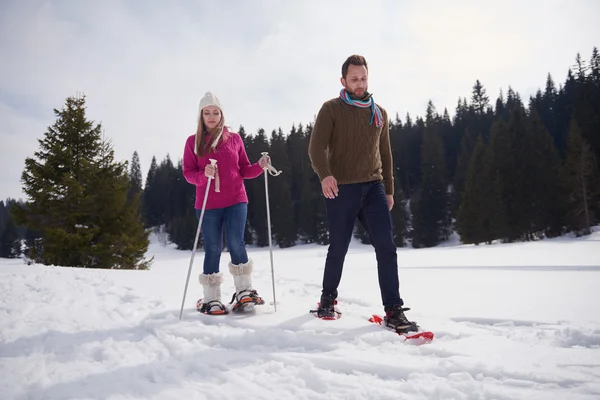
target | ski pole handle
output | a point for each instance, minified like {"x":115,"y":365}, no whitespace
{"x":268,"y":166}
{"x":213,"y":164}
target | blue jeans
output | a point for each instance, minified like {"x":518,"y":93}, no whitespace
{"x":367,"y":202}
{"x":234,"y":218}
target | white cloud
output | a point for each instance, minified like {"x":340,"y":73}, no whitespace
{"x":145,"y":65}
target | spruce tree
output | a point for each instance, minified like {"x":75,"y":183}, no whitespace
{"x":3,"y":215}
{"x":135,"y":175}
{"x":500,"y":107}
{"x":479,"y":99}
{"x":498,"y":156}
{"x":257,"y":211}
{"x":431,"y":216}
{"x":546,"y":212}
{"x":10,"y":243}
{"x":77,"y":197}
{"x":121,"y":240}
{"x":474,"y":220}
{"x":181,"y":225}
{"x":518,"y":179}
{"x":580,"y":182}
{"x":151,"y":203}
{"x":182,"y":230}
{"x":322,"y":223}
{"x":548,"y":114}
{"x":280,"y":200}
{"x":400,"y":216}
{"x":467,"y":145}
{"x":451,"y":140}
{"x":307,"y":211}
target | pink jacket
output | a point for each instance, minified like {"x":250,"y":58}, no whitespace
{"x":233,"y":167}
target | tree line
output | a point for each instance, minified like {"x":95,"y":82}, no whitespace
{"x":508,"y":170}
{"x":505,"y":170}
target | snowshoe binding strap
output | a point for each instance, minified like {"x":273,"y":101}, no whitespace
{"x":214,"y":307}
{"x":245,"y":298}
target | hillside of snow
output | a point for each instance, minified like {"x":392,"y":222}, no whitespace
{"x":512,"y":321}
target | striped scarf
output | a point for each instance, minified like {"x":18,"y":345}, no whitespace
{"x":375,"y":111}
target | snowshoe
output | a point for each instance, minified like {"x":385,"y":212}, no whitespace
{"x":246,"y":300}
{"x":326,"y":308}
{"x":214,"y":307}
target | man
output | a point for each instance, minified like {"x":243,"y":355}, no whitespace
{"x":350,"y":152}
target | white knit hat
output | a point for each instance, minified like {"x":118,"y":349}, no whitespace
{"x":210,"y":99}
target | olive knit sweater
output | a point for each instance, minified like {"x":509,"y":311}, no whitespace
{"x":345,"y":145}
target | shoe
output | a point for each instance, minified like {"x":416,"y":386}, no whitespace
{"x":395,"y":319}
{"x":326,"y":308}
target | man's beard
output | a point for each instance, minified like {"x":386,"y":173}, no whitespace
{"x":353,"y":93}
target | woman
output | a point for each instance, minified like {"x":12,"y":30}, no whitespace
{"x":227,"y":203}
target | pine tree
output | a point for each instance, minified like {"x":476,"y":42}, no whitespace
{"x":164,"y":183}
{"x":451,"y":140}
{"x":135,"y":175}
{"x":3,"y":215}
{"x":151,"y":204}
{"x":400,"y":216}
{"x":474,"y":220}
{"x":77,"y":197}
{"x":307,"y":206}
{"x":513,"y":102}
{"x":399,"y":136}
{"x":517,"y":177}
{"x":500,"y":107}
{"x":467,"y":145}
{"x":121,"y":241}
{"x":282,"y":208}
{"x":182,"y":224}
{"x":586,"y":107}
{"x":543,"y":168}
{"x":580,"y":182}
{"x":479,"y":99}
{"x":307,"y":221}
{"x":182,"y":230}
{"x":257,"y":211}
{"x":431,"y":216}
{"x":322,"y":223}
{"x":548,"y":114}
{"x":10,"y":243}
{"x":248,"y":237}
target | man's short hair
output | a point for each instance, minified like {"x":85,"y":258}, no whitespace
{"x":354,"y":59}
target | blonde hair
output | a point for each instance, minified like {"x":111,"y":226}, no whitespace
{"x":201,"y":146}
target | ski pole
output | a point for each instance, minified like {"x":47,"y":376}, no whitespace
{"x":269,"y":169}
{"x":213,"y":162}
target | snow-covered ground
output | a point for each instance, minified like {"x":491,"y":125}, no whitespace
{"x":512,"y":321}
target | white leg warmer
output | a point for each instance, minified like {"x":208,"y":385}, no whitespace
{"x":212,"y":286}
{"x":242,"y":276}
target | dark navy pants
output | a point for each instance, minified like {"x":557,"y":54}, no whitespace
{"x":234,"y":218}
{"x":367,"y":202}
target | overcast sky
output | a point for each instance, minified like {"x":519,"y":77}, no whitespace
{"x":144,"y":65}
